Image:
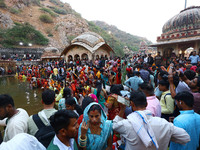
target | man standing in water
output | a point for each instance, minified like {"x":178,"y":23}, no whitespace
{"x":16,"y":121}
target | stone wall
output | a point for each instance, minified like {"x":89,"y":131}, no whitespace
{"x":26,"y":62}
{"x":102,"y":52}
{"x":19,"y":53}
{"x":7,"y":65}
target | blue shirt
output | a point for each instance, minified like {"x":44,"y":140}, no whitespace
{"x":105,"y":79}
{"x":134,"y":82}
{"x":157,"y":92}
{"x":190,"y":122}
{"x":194,"y":59}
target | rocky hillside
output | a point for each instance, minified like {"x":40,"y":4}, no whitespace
{"x":51,"y":23}
{"x":65,"y":22}
{"x":131,"y":41}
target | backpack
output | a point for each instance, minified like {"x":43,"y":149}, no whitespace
{"x":1,"y":138}
{"x":45,"y":133}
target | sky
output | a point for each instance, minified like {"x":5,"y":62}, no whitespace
{"x":144,"y":18}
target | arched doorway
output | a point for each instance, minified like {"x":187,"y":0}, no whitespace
{"x":188,"y":52}
{"x":106,"y":57}
{"x":84,"y":56}
{"x":76,"y":57}
{"x":168,"y":55}
{"x":70,"y":58}
{"x":97,"y":57}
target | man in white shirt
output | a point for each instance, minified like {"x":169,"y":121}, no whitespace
{"x":143,"y":131}
{"x":22,"y":141}
{"x":16,"y":118}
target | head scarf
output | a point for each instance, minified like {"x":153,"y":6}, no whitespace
{"x":100,"y":141}
{"x":86,"y":116}
{"x":94,"y":97}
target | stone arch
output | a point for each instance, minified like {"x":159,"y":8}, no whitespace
{"x":168,"y":53}
{"x":188,"y":51}
{"x":106,"y":57}
{"x":76,"y":57}
{"x":97,"y":57}
{"x":184,"y":47}
{"x":84,"y":56}
{"x":70,"y":57}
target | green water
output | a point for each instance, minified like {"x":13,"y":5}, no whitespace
{"x":24,"y":96}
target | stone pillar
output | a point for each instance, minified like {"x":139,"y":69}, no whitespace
{"x":196,"y":47}
{"x":6,"y":69}
{"x":66,"y":58}
{"x":176,"y":50}
{"x":89,"y":56}
{"x":159,"y":49}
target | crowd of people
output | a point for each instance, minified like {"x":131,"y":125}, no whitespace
{"x":122,"y":103}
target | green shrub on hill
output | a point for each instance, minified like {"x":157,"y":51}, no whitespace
{"x":70,"y":37}
{"x":2,"y":4}
{"x":49,"y":32}
{"x":46,"y":18}
{"x":36,"y":2}
{"x":49,"y":11}
{"x":76,"y":14}
{"x":57,"y":2}
{"x":131,"y":41}
{"x":25,"y":33}
{"x":59,"y":10}
{"x":115,"y":44}
{"x":14,"y":11}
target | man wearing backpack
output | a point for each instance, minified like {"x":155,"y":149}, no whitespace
{"x":166,"y":101}
{"x":38,"y":124}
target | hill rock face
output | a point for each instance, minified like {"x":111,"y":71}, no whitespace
{"x":65,"y":22}
{"x":62,"y":28}
{"x":131,"y":41}
{"x":5,"y":21}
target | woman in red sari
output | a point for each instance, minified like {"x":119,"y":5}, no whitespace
{"x":112,"y":104}
{"x":119,"y":76}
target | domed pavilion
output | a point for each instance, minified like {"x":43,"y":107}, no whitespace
{"x":89,"y":46}
{"x":180,"y":33}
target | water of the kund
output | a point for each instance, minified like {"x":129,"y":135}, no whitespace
{"x":24,"y":96}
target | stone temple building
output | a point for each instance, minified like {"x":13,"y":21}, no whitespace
{"x":51,"y":54}
{"x":180,"y":33}
{"x":88,"y":45}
